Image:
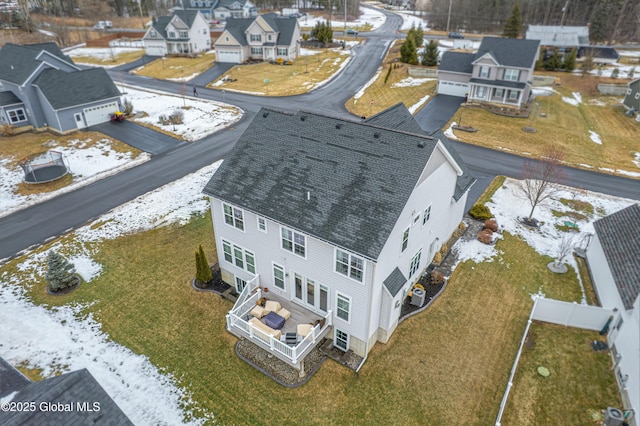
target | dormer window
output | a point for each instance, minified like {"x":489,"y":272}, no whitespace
{"x":172,"y":34}
{"x":256,"y":37}
{"x":152,"y":34}
{"x":184,"y":34}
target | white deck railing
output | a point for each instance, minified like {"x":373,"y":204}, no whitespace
{"x":239,"y":325}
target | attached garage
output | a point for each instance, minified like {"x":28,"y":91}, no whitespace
{"x":99,"y":114}
{"x":453,"y":88}
{"x":155,"y":50}
{"x":231,"y":56}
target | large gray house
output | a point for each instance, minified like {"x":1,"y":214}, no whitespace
{"x":42,"y":87}
{"x":500,"y":72}
{"x":337,"y":219}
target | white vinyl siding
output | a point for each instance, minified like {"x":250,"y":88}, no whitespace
{"x":233,"y":216}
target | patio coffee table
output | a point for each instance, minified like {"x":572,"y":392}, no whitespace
{"x":274,"y":320}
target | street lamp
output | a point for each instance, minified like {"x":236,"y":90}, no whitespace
{"x":449,"y":15}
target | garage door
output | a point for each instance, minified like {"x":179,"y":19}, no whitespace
{"x":452,"y":88}
{"x":155,"y":50}
{"x":228,"y":56}
{"x":99,"y":114}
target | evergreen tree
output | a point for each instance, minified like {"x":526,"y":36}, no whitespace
{"x":570,"y":61}
{"x":408,"y":52}
{"x":615,"y":73}
{"x":322,"y":32}
{"x":513,"y":26}
{"x":61,"y":274}
{"x":430,"y":54}
{"x":553,"y":63}
{"x":418,"y":36}
{"x":600,"y":24}
{"x":203,"y":273}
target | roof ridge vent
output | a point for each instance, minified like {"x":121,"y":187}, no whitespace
{"x":338,"y":125}
{"x":265,"y":114}
{"x":421,"y":144}
{"x":376,"y":135}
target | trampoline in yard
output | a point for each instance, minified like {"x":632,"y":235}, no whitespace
{"x":43,"y":167}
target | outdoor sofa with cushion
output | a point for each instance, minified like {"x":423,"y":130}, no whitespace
{"x":265,"y":329}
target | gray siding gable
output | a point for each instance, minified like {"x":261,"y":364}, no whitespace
{"x":9,"y":98}
{"x":64,"y":89}
{"x":341,"y":181}
{"x":619,"y":235}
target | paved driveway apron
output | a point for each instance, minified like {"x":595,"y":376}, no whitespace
{"x":438,"y":112}
{"x":138,"y":136}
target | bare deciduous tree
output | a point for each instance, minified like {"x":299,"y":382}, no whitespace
{"x":565,"y":248}
{"x":539,"y":178}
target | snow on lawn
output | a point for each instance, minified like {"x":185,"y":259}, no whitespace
{"x":595,"y":137}
{"x":409,"y":20}
{"x":636,"y":159}
{"x":413,"y":108}
{"x":87,"y":164}
{"x":103,"y":53}
{"x":367,"y":16}
{"x":508,"y":204}
{"x":60,"y":339}
{"x":201,"y":117}
{"x":411,"y":82}
{"x":575,"y":100}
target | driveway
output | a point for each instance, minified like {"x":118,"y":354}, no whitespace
{"x":211,"y":74}
{"x":138,"y":136}
{"x":144,"y":60}
{"x":438,"y":112}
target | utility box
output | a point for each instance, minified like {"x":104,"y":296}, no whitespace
{"x":613,"y":417}
{"x":418,"y":296}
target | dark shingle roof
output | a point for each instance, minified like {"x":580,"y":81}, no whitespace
{"x":358,"y":177}
{"x":17,"y":63}
{"x":395,"y":281}
{"x":9,"y":98}
{"x":464,"y":182}
{"x":619,"y":235}
{"x":66,"y":89}
{"x":510,"y":52}
{"x":456,"y":62}
{"x":396,"y":117}
{"x":77,"y":386}
{"x":161,"y":25}
{"x":283,"y":26}
{"x":11,"y":380}
{"x":186,"y":15}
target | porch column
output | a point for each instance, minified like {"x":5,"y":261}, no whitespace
{"x":301,"y":372}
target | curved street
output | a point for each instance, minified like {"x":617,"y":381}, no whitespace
{"x":37,"y":224}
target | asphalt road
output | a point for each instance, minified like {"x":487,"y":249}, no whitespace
{"x":59,"y":215}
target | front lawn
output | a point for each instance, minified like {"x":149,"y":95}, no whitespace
{"x":107,"y":57}
{"x":610,"y":146}
{"x":177,"y":68}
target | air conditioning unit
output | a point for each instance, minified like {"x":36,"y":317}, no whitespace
{"x":613,"y":417}
{"x":418,"y":296}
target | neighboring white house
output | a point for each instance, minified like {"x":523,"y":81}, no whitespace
{"x":184,"y":32}
{"x":337,"y":217}
{"x":614,"y":263}
{"x":267,"y":37}
{"x":224,"y":9}
{"x":500,"y":72}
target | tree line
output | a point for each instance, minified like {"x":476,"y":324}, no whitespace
{"x":612,"y":21}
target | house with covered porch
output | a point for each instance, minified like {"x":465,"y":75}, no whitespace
{"x":267,"y":37}
{"x":185,"y":32}
{"x":499,"y":73}
{"x":331,"y":221}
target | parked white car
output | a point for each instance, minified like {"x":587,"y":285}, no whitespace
{"x":101,"y":25}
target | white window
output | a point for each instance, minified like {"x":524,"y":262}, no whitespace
{"x":499,"y":93}
{"x":513,"y":95}
{"x":484,"y":72}
{"x":405,"y":240}
{"x":16,"y":115}
{"x":294,"y":242}
{"x":278,"y":276}
{"x":349,"y":265}
{"x":172,"y":34}
{"x":637,"y":95}
{"x":343,"y":306}
{"x":427,"y":215}
{"x":184,"y":34}
{"x":256,"y":50}
{"x":240,"y":284}
{"x":256,"y":37}
{"x":282,"y":51}
{"x":415,"y":263}
{"x":342,"y":340}
{"x":152,"y":33}
{"x":511,"y":74}
{"x":628,"y":90}
{"x":233,"y":216}
{"x":262,"y":224}
{"x":416,"y":218}
{"x":239,"y":256}
{"x":78,"y":117}
{"x":204,"y":31}
{"x":480,"y":91}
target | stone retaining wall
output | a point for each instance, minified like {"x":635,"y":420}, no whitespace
{"x":423,"y":72}
{"x":613,"y":89}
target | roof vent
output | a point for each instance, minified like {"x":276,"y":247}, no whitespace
{"x":421,"y":144}
{"x":376,"y":135}
{"x":338,"y":125}
{"x":12,"y":68}
{"x":308,"y":195}
{"x":265,"y":114}
{"x":303,"y":117}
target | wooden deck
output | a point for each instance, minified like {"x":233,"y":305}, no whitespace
{"x":299,"y":314}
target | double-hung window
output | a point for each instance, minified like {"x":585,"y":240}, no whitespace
{"x":511,"y":74}
{"x":427,"y":215}
{"x":485,"y":72}
{"x":183,"y":34}
{"x":415,"y":263}
{"x":294,"y":242}
{"x":278,"y":276}
{"x":233,"y":216}
{"x":405,"y":240}
{"x":343,"y":307}
{"x":256,"y":37}
{"x":239,"y":256}
{"x":262,"y":224}
{"x":349,"y":265}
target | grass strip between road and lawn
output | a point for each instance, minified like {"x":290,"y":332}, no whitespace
{"x":459,"y":351}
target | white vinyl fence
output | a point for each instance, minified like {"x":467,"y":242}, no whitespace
{"x":557,"y":312}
